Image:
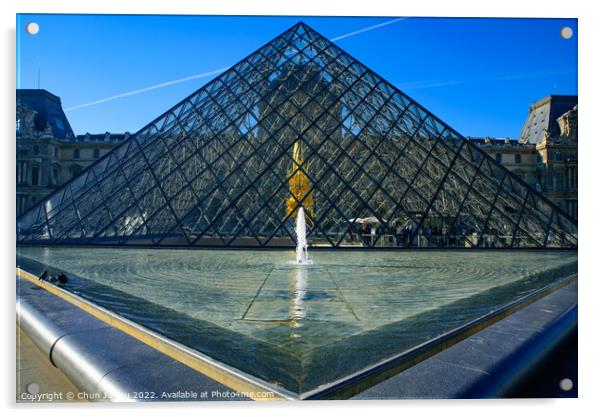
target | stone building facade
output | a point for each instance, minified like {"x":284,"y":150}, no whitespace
{"x":48,"y":152}
{"x":545,"y":154}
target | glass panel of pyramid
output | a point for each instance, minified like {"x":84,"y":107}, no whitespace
{"x":299,"y":122}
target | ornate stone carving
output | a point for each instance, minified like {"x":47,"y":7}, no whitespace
{"x":568,"y":125}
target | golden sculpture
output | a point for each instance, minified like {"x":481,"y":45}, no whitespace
{"x":299,"y":186}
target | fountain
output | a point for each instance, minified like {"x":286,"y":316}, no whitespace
{"x":302,"y":255}
{"x":297,"y":311}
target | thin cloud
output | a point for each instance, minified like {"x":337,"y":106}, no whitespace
{"x":214,"y":72}
{"x":145,"y":89}
{"x":369,"y":28}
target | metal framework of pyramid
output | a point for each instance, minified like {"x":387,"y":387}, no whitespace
{"x":298,"y":122}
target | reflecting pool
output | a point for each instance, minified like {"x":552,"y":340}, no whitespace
{"x":300,"y":326}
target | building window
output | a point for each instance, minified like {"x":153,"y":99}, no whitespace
{"x":76,"y":153}
{"x":571,"y":174}
{"x":96,"y":153}
{"x":559,"y":181}
{"x":56,"y":152}
{"x":21,"y":204}
{"x":36,"y":149}
{"x":498,"y":158}
{"x":573,"y":208}
{"x":21,"y":172}
{"x":75,"y":170}
{"x":517,"y":158}
{"x":558,"y":156}
{"x":56,"y":172}
{"x":35,"y":175}
{"x":18,"y":125}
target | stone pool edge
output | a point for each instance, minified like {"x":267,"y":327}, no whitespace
{"x":83,"y":371}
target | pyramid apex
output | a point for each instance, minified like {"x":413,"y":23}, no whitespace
{"x":302,"y":24}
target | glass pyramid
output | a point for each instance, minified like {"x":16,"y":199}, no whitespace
{"x":298,"y":122}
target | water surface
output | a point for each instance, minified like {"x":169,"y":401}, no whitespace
{"x":300,"y":327}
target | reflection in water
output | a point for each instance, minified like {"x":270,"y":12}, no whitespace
{"x":297,"y":310}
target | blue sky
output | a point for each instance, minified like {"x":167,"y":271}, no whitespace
{"x":477,"y":75}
